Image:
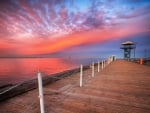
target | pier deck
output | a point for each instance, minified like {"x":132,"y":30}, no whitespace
{"x":121,"y":87}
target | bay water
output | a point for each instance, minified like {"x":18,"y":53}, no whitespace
{"x":15,"y":70}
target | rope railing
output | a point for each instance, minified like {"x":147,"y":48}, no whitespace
{"x":12,"y":87}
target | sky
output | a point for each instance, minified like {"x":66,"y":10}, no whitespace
{"x":80,"y":28}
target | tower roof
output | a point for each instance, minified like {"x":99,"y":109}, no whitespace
{"x":128,"y":43}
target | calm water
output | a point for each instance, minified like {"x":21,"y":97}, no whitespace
{"x":14,"y":70}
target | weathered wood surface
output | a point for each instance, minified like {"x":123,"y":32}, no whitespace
{"x":122,"y":87}
{"x":23,"y":87}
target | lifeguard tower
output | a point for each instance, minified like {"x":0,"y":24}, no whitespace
{"x":127,"y":47}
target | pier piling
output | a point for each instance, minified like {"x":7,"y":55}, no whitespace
{"x":81,"y":75}
{"x":93,"y":69}
{"x":98,"y":66}
{"x":41,"y":96}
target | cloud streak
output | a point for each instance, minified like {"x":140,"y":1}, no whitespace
{"x":42,"y":26}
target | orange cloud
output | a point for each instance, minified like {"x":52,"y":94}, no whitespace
{"x":42,"y":46}
{"x":86,"y":37}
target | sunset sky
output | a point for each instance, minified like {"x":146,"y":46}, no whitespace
{"x":88,"y":28}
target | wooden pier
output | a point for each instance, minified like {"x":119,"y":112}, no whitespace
{"x":121,"y":87}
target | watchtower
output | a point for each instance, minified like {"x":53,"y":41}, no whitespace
{"x":127,"y":47}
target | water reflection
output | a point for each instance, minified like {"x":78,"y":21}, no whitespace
{"x":17,"y":70}
{"x":14,"y":70}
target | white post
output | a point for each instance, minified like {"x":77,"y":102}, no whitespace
{"x":93,"y":69}
{"x":107,"y":61}
{"x":110,"y":59}
{"x":98,"y":66}
{"x":102,"y":65}
{"x":81,"y":75}
{"x":41,"y":92}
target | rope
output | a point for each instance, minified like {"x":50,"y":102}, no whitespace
{"x":9,"y":89}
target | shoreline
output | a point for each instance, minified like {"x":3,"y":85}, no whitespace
{"x":10,"y":90}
